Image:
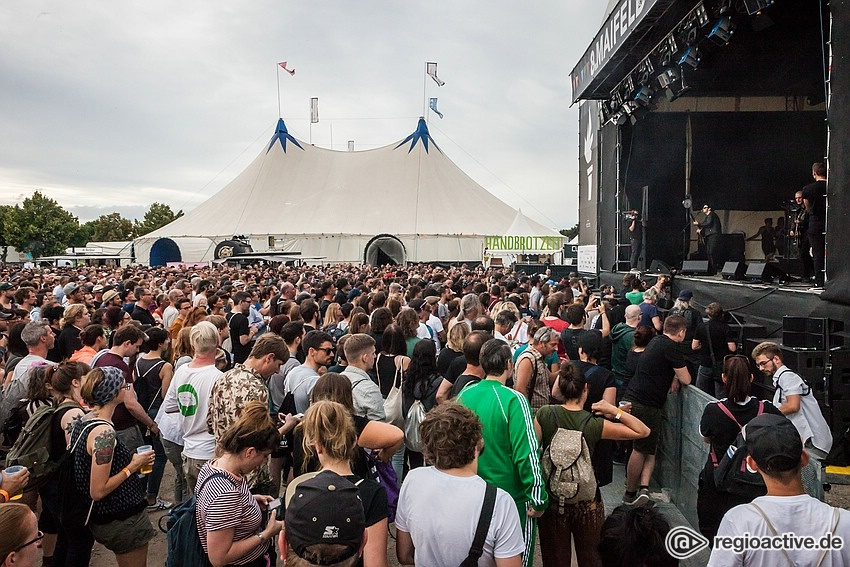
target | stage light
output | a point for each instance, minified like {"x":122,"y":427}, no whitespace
{"x":722,"y":31}
{"x":676,"y":89}
{"x":701,"y":15}
{"x":630,"y":107}
{"x":620,"y":118}
{"x":690,"y":57}
{"x":668,"y":76}
{"x":643,"y":95}
{"x":756,"y":6}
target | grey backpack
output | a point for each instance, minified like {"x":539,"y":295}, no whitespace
{"x":567,"y":468}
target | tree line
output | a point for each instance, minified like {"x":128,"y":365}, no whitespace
{"x":41,"y":226}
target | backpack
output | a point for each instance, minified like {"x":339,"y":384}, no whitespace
{"x":32,"y":448}
{"x":730,"y":472}
{"x":181,"y":532}
{"x":385,"y":475}
{"x":567,"y":468}
{"x":476,"y":550}
{"x":415,"y":417}
{"x":13,"y":424}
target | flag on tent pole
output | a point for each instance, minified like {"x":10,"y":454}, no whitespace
{"x":350,"y":145}
{"x":283,"y":66}
{"x":314,"y":110}
{"x":431,"y":69}
{"x":433,"y":104}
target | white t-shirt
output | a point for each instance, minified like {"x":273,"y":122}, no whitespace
{"x":801,"y":515}
{"x":300,"y":381}
{"x":425,"y":331}
{"x":169,"y":314}
{"x":189,"y":393}
{"x":440,"y":512}
{"x":809,"y":420}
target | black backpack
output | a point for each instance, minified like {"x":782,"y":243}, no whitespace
{"x":730,"y":472}
{"x":181,"y":531}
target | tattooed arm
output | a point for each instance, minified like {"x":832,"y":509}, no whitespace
{"x":101,"y":446}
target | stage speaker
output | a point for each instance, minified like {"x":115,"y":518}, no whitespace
{"x":818,"y":333}
{"x":659,"y":267}
{"x":695,"y":267}
{"x":734,"y":270}
{"x":763,"y":272}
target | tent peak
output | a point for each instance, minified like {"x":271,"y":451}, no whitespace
{"x":422,"y":134}
{"x":281,"y":134}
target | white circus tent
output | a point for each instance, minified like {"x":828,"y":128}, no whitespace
{"x":404,"y":202}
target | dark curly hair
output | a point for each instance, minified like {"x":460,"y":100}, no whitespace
{"x":451,"y":434}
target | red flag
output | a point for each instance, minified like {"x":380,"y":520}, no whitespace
{"x":283,"y":66}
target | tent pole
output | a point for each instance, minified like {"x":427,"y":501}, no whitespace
{"x":277,"y":72}
{"x":424,"y":95}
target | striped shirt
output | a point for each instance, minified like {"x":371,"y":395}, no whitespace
{"x":227,"y":503}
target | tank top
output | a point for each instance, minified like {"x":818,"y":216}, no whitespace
{"x":538,"y":390}
{"x":148,"y":383}
{"x":123,"y":502}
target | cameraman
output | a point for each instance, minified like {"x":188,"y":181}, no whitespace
{"x":635,"y":236}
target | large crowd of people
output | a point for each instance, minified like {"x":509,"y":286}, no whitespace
{"x":309,"y":408}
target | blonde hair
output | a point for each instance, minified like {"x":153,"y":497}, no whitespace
{"x":330,"y":426}
{"x":183,"y":346}
{"x":204,"y":338}
{"x":457,"y":334}
{"x":333,"y":314}
{"x":71,"y":313}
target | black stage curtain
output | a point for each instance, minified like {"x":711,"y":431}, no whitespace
{"x":837,"y":251}
{"x":607,"y":211}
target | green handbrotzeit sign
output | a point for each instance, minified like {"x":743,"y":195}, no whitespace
{"x":524,"y":243}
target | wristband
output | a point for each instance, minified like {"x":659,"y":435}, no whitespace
{"x":619,"y":414}
{"x":126,"y":471}
{"x":5,"y":495}
{"x":262,"y":539}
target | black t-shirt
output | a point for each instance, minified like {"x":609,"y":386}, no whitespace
{"x":632,"y":358}
{"x":323,"y":308}
{"x":385,"y":373}
{"x":374,"y":497}
{"x":722,"y":431}
{"x":655,"y":372}
{"x":444,"y":361}
{"x":461,"y":382}
{"x":456,"y":368}
{"x":815,"y":194}
{"x":68,"y":341}
{"x":570,"y":338}
{"x":143,"y":316}
{"x":721,"y":334}
{"x":238,"y":327}
{"x":598,"y":379}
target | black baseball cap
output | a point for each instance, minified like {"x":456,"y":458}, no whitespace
{"x":773,"y":442}
{"x":324,"y":509}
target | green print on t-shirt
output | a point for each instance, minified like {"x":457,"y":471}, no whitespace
{"x":187,"y":400}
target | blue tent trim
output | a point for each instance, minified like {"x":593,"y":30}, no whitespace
{"x":421,"y":133}
{"x":282,"y":135}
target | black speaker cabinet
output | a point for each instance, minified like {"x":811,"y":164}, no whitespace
{"x":695,"y":267}
{"x":818,"y":333}
{"x":734,"y":270}
{"x":659,"y":267}
{"x":763,"y":272}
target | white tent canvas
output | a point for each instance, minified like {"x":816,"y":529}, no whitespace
{"x":297,"y":198}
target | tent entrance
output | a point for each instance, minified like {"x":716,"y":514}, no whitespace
{"x":384,"y":249}
{"x":163,"y":251}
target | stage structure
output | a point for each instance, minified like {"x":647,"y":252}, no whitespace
{"x":721,"y":102}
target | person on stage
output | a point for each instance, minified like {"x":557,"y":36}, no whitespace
{"x":767,"y":234}
{"x":799,"y":233}
{"x":710,"y":229}
{"x":635,"y":237}
{"x":814,"y":198}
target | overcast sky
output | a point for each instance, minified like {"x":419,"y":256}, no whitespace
{"x":108,"y":106}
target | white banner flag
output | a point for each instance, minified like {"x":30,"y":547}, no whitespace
{"x":314,"y":110}
{"x":433,"y":105}
{"x":431,"y":69}
{"x":350,"y":145}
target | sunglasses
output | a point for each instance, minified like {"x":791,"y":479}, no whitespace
{"x":39,"y":536}
{"x":326,"y":350}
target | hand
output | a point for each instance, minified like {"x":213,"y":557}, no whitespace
{"x":140,"y":460}
{"x":263,"y":500}
{"x":674,"y":387}
{"x":154,"y":429}
{"x":532,"y":513}
{"x":696,"y":223}
{"x":605,"y":408}
{"x":273,"y":528}
{"x":15,"y":483}
{"x":288,"y":422}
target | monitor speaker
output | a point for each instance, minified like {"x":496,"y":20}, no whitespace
{"x":695,"y":267}
{"x":734,"y":270}
{"x":659,"y":267}
{"x":763,"y":272}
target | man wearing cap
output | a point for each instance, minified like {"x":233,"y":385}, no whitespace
{"x":110,"y":298}
{"x":73,"y":293}
{"x":710,"y":229}
{"x":7,"y":296}
{"x":325,"y":522}
{"x":776,"y":452}
{"x":97,"y":294}
{"x":425,"y":330}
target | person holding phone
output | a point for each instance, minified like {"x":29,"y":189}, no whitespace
{"x":230,"y":518}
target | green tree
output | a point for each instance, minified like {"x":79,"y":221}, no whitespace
{"x":41,"y":226}
{"x":5,"y":211}
{"x":109,"y":228}
{"x":570,"y":233}
{"x":157,"y":216}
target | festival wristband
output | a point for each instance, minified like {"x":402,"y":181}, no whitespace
{"x":126,"y":471}
{"x":5,"y":495}
{"x":619,"y":415}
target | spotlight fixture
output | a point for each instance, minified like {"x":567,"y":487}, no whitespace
{"x":630,"y":107}
{"x":668,"y":76}
{"x":755,"y":6}
{"x":690,"y":57}
{"x":722,"y":31}
{"x":643,"y":95}
{"x":701,"y":15}
{"x":620,"y":118}
{"x":676,"y":89}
